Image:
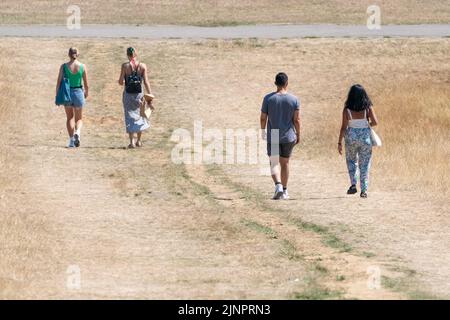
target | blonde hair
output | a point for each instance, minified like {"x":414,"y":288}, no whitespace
{"x":73,"y":52}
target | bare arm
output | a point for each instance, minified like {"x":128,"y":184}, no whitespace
{"x":263,"y":120}
{"x":58,"y":82}
{"x":297,"y":124}
{"x":373,"y":120}
{"x":263,"y":123}
{"x":344,"y":126}
{"x":85,"y":81}
{"x":146,"y":82}
{"x":122,"y":75}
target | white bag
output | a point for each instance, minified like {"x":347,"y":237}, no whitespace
{"x":376,"y":141}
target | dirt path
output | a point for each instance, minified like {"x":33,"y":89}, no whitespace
{"x":257,"y":31}
{"x":139,"y":226}
{"x":132,"y":224}
{"x":136,"y":226}
{"x":403,"y":231}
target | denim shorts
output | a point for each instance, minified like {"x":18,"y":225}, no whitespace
{"x":77,"y":97}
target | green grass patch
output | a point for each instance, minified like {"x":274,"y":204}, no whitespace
{"x":328,"y":238}
{"x":406,"y":284}
{"x":334,"y":242}
{"x":321,"y":269}
{"x":310,"y":226}
{"x":253,"y":225}
{"x":368,"y":254}
{"x":421,"y":295}
{"x":186,"y":185}
{"x":289,"y":251}
{"x":318,"y":293}
{"x":246,"y":192}
{"x":340,"y":278}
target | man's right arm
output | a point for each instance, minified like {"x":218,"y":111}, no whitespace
{"x":263,"y":123}
{"x":263,"y":118}
{"x":297,"y":124}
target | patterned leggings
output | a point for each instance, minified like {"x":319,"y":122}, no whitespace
{"x":358,"y":152}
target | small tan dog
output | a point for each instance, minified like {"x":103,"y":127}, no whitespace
{"x":147,"y":106}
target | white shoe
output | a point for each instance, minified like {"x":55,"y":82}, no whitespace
{"x":285,"y":195}
{"x":278,"y":192}
{"x":76,"y":140}
{"x":71,"y":143}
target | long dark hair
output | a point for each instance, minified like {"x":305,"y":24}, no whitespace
{"x":357,"y":99}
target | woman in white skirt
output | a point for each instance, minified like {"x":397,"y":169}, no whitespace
{"x":134,"y":75}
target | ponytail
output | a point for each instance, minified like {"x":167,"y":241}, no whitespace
{"x":73,"y":53}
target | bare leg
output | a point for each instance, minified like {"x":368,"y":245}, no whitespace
{"x":284,"y":163}
{"x":70,"y":122}
{"x":275,"y":168}
{"x":138,"y":141}
{"x":131,"y":137}
{"x":78,"y":118}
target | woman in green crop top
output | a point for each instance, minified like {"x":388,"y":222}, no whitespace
{"x":76,"y":72}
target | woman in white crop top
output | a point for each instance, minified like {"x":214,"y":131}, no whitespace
{"x":357,"y":118}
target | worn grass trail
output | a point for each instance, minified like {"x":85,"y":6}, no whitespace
{"x":134,"y":224}
{"x":139,"y":226}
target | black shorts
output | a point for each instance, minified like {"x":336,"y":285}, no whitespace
{"x":283,"y":150}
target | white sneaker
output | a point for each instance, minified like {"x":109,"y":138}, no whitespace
{"x":71,"y":143}
{"x":285,"y":195}
{"x":76,"y":140}
{"x":278,"y":192}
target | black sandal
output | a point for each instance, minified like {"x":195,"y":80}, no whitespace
{"x":363,"y":195}
{"x":352,"y":190}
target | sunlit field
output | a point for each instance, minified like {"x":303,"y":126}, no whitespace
{"x":140,"y":226}
{"x":228,"y":12}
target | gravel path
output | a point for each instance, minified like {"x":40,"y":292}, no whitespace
{"x":256,"y":31}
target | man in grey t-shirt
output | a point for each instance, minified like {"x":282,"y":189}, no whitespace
{"x":280,"y":113}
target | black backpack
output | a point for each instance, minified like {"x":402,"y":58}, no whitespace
{"x":133,"y":82}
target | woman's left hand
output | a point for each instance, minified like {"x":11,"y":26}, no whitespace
{"x":340,"y":148}
{"x":86,"y":94}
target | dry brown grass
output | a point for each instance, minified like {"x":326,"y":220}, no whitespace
{"x":405,"y":213}
{"x":230,"y":12}
{"x":321,"y":72}
{"x":22,"y":246}
{"x":5,"y":108}
{"x":8,"y":100}
{"x":414,"y":126}
{"x":416,"y":130}
{"x":178,"y":246}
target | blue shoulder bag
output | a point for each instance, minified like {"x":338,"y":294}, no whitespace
{"x":63,"y":96}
